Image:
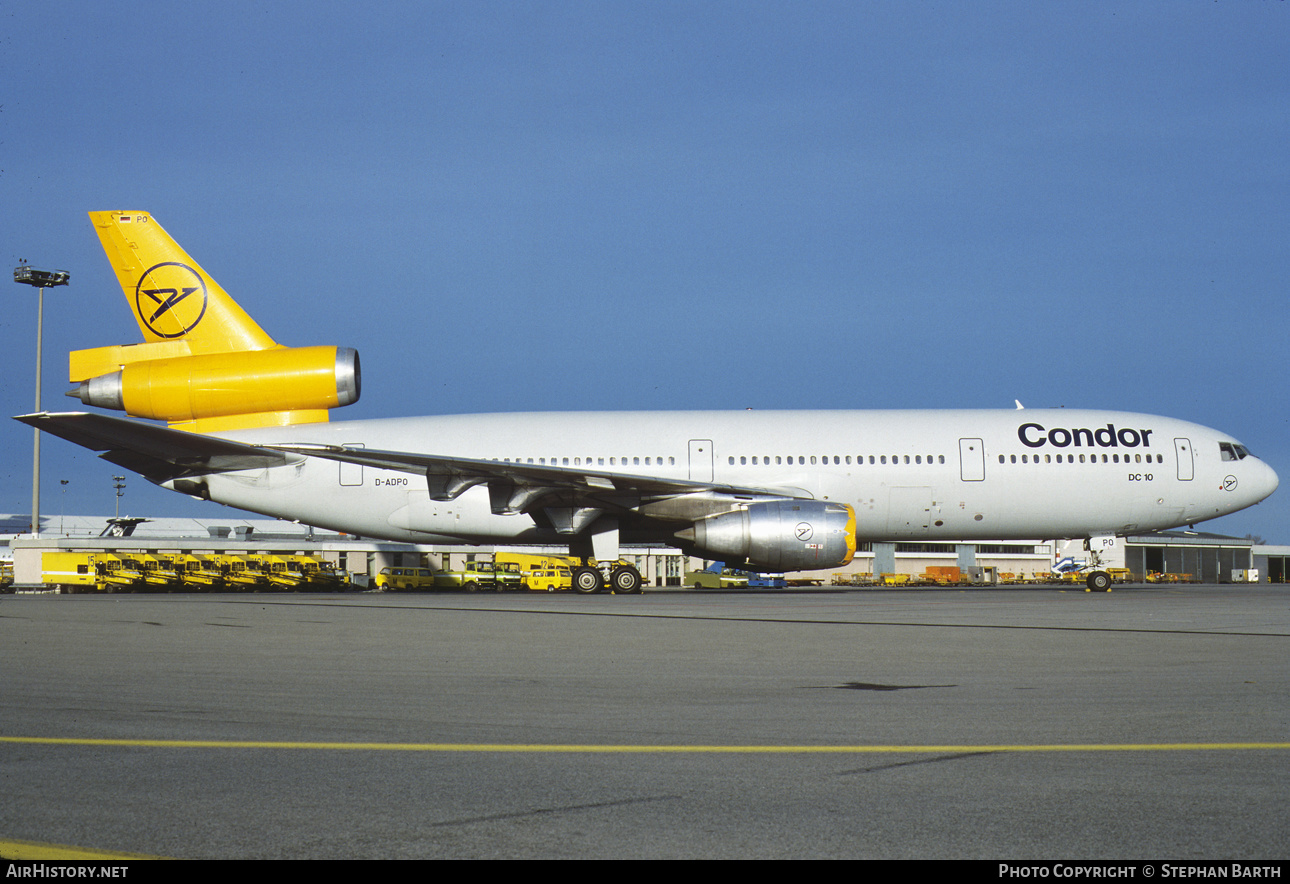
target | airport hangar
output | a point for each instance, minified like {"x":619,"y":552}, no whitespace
{"x":1187,"y":555}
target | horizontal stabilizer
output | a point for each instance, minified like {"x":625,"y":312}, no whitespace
{"x":158,"y":453}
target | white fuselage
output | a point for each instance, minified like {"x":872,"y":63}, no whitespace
{"x":1034,"y":473}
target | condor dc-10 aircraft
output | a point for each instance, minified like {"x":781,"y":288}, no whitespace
{"x":772,"y":490}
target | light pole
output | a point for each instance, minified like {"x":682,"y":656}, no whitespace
{"x":41,"y":279}
{"x":118,"y":483}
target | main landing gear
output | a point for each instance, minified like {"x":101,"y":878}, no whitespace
{"x":587,"y":580}
{"x":623,"y":580}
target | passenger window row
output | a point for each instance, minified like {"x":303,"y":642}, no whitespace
{"x":1091,"y":458}
{"x":590,"y":461}
{"x":835,"y":459}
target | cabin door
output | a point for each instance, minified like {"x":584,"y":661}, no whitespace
{"x":1186,"y":466}
{"x":972,"y":460}
{"x":700,"y":460}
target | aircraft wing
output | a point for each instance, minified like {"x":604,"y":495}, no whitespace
{"x":568,"y":497}
{"x":155,"y":452}
{"x":523,"y":487}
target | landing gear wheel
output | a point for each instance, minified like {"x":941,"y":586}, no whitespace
{"x":587,"y":580}
{"x":625,"y":580}
{"x":1099,"y":581}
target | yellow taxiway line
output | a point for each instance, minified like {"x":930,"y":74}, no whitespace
{"x":24,"y":851}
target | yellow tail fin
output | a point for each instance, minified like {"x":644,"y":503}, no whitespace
{"x":171,"y":296}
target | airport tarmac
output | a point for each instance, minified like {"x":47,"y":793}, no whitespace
{"x":1146,"y":723}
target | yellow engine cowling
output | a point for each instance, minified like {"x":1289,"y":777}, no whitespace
{"x":231,"y":390}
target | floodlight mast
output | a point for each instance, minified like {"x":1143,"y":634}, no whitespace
{"x":41,"y":279}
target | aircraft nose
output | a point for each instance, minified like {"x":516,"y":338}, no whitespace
{"x":1263,"y":483}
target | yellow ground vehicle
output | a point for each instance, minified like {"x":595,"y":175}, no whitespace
{"x":540,"y":573}
{"x":115,"y":572}
{"x":506,"y":575}
{"x":548,"y":579}
{"x":144,"y":572}
{"x":272,"y":571}
{"x":405,"y":578}
{"x":240,"y":572}
{"x":716,"y":576}
{"x":286,"y":571}
{"x":159,"y":572}
{"x":93,"y":572}
{"x":200,"y":572}
{"x":315,"y":573}
{"x":72,"y":571}
{"x":481,"y":575}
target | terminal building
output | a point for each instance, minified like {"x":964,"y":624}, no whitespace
{"x":1181,"y":556}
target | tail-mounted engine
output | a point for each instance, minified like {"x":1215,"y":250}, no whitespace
{"x":205,"y":365}
{"x":779,"y":535}
{"x":219,"y":390}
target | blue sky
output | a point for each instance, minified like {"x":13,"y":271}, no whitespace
{"x":549,"y":206}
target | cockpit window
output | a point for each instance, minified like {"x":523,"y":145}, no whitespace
{"x":1232,"y":451}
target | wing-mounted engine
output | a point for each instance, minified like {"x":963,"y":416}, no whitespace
{"x":778,"y":535}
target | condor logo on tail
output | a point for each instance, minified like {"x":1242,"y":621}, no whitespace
{"x":1035,"y":436}
{"x":164,"y":299}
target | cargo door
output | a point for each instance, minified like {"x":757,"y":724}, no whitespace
{"x":909,"y":512}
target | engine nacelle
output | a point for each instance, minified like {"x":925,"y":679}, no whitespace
{"x":219,"y":385}
{"x":780,"y":535}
